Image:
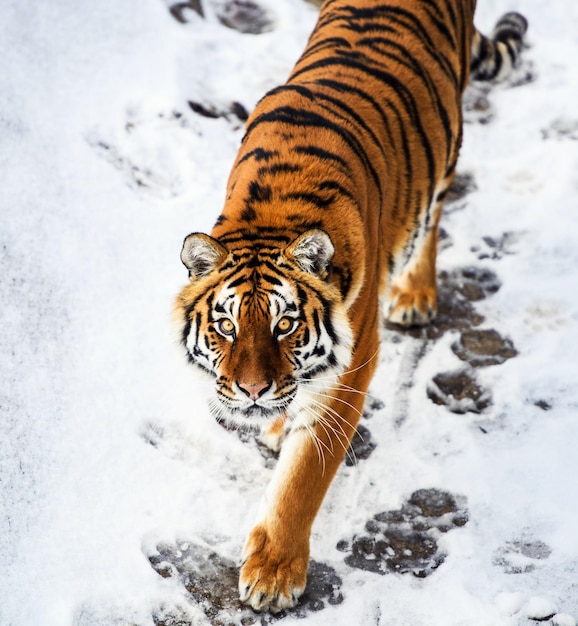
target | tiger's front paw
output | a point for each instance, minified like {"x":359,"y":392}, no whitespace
{"x":412,"y":308}
{"x":273,"y":574}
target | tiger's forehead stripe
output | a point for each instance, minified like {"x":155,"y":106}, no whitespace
{"x":255,"y":288}
{"x":265,"y":235}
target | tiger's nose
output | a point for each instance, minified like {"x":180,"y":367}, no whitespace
{"x":255,"y":390}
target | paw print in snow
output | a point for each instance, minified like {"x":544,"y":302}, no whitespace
{"x":405,"y":540}
{"x":521,"y":557}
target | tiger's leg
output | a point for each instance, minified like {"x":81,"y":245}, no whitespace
{"x":412,"y":297}
{"x":276,"y":554}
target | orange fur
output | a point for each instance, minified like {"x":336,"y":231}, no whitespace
{"x":332,"y":210}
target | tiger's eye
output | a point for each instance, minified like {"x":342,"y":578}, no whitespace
{"x":226,"y":327}
{"x":284,"y":325}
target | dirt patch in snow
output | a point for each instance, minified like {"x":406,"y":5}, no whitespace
{"x":211,"y":581}
{"x":405,"y":540}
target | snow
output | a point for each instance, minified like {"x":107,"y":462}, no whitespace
{"x":106,"y":445}
{"x":539,"y":608}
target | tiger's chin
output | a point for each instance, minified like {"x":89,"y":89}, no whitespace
{"x":254,"y":417}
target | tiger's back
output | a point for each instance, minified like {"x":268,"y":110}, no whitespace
{"x":332,"y":208}
{"x":366,"y":134}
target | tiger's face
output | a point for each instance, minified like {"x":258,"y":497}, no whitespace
{"x":265,"y":324}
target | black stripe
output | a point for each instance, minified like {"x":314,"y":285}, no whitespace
{"x":344,"y":276}
{"x":442,"y":195}
{"x":334,"y":185}
{"x":398,"y":87}
{"x":186,"y":331}
{"x":290,"y":306}
{"x":193,"y":361}
{"x":259,"y":193}
{"x":209,"y":303}
{"x":274,"y":281}
{"x":395,"y":15}
{"x":198,"y":319}
{"x":320,"y":153}
{"x":308,"y":119}
{"x":301,"y":295}
{"x":350,"y":115}
{"x":507,"y":31}
{"x":319,"y":369}
{"x":392,"y":15}
{"x":264,"y":232}
{"x":413,"y":65}
{"x":304,"y":222}
{"x":237,"y":282}
{"x":329,"y":42}
{"x":452,"y":166}
{"x":302,"y":91}
{"x":259,"y":154}
{"x":497,"y":65}
{"x":363,"y":26}
{"x":341,"y":87}
{"x":318,"y":351}
{"x":327,"y":322}
{"x":465,"y":29}
{"x":432,"y":5}
{"x":278,"y":168}
{"x":451,"y":12}
{"x":310,"y":197}
{"x":443,"y":30}
{"x":248,"y":214}
{"x":317,"y":325}
{"x":481,"y":54}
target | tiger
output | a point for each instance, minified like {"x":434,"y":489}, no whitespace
{"x":329,"y":225}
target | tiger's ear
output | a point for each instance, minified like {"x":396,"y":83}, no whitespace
{"x":313,"y":251}
{"x":201,"y":254}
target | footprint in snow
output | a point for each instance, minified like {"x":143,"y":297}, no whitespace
{"x":405,"y":540}
{"x":476,"y":101}
{"x":495,"y":248}
{"x":211,"y":582}
{"x":521,"y":556}
{"x":562,"y":128}
{"x":156,"y":152}
{"x":459,"y":391}
{"x":244,"y":16}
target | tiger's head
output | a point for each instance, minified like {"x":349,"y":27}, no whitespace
{"x":265,"y":323}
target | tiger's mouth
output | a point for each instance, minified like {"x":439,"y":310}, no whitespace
{"x":259,"y":412}
{"x":254,"y":413}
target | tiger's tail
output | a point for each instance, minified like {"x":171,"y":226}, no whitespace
{"x":493,"y":59}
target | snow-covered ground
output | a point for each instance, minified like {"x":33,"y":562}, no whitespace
{"x":106,"y":447}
